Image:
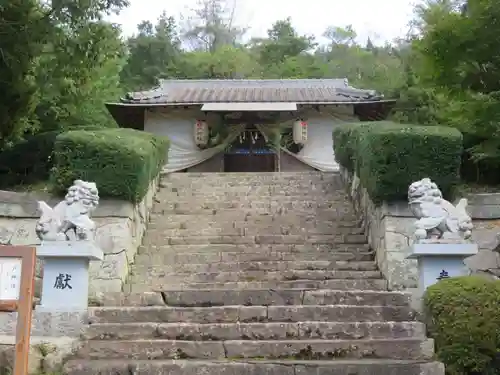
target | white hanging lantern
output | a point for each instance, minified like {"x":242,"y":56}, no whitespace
{"x":201,"y":133}
{"x":300,"y":132}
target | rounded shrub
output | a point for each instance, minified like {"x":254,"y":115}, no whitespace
{"x":342,"y":146}
{"x":345,"y":142}
{"x":463,"y":317}
{"x":394,"y":156}
{"x":122,"y":162}
{"x":388,"y":157}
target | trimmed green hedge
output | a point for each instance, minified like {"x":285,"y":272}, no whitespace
{"x":345,"y":142}
{"x":388,"y":157}
{"x":122,"y":162}
{"x":342,"y":147}
{"x":464,"y":320}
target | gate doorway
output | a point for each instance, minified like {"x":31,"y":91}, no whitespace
{"x":250,"y":153}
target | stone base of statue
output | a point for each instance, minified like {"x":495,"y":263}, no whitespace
{"x":440,"y":259}
{"x":65,"y":285}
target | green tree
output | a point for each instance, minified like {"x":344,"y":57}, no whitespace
{"x":300,"y":66}
{"x":227,"y":62}
{"x":23,"y":31}
{"x":282,"y":42}
{"x":458,"y":53}
{"x":345,"y":36}
{"x":79,"y":69}
{"x":77,"y":74}
{"x":153,"y":53}
{"x":452,"y":78}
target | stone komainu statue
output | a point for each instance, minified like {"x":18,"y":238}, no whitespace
{"x":437,"y":218}
{"x":70,"y":219}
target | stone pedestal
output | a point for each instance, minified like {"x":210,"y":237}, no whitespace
{"x":65,"y":284}
{"x":438,"y":260}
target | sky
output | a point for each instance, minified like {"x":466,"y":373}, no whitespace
{"x":381,"y":20}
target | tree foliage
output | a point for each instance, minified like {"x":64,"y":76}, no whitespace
{"x":454,"y":76}
{"x":22,"y":29}
{"x":154,"y":52}
{"x":79,"y":71}
{"x":72,"y":60}
{"x":61,"y":60}
{"x":210,"y":44}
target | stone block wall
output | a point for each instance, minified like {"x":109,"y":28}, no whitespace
{"x":119,"y":234}
{"x":389,"y":227}
{"x":485,"y":211}
{"x":55,"y":335}
{"x":121,"y":226}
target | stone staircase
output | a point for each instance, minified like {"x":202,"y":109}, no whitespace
{"x":255,"y":274}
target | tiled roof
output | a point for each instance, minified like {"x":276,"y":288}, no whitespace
{"x":286,"y":90}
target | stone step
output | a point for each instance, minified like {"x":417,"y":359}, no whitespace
{"x":249,"y":215}
{"x":252,"y":181}
{"x":261,"y":176}
{"x":249,"y":181}
{"x":298,"y":174}
{"x":252,"y":187}
{"x":255,"y":193}
{"x":312,"y":230}
{"x":254,"y":248}
{"x":311,"y":193}
{"x":279,"y":189}
{"x":255,"y":297}
{"x":158,"y":239}
{"x":255,"y":331}
{"x":255,"y":177}
{"x":258,"y":204}
{"x":241,"y":212}
{"x":251,"y":314}
{"x":256,"y":367}
{"x":179,"y":222}
{"x":283,"y":221}
{"x":260,"y":193}
{"x":338,"y":284}
{"x":418,"y":349}
{"x":239,"y":256}
{"x":193,"y":298}
{"x":304,"y":195}
{"x":144,"y":268}
{"x":159,"y":276}
{"x":256,"y":230}
{"x":285,"y":218}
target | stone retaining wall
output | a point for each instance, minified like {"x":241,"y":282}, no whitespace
{"x":390,"y":225}
{"x":121,"y":226}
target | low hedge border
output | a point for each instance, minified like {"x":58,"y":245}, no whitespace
{"x":388,"y":157}
{"x":463,"y":317}
{"x":122,"y":162}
